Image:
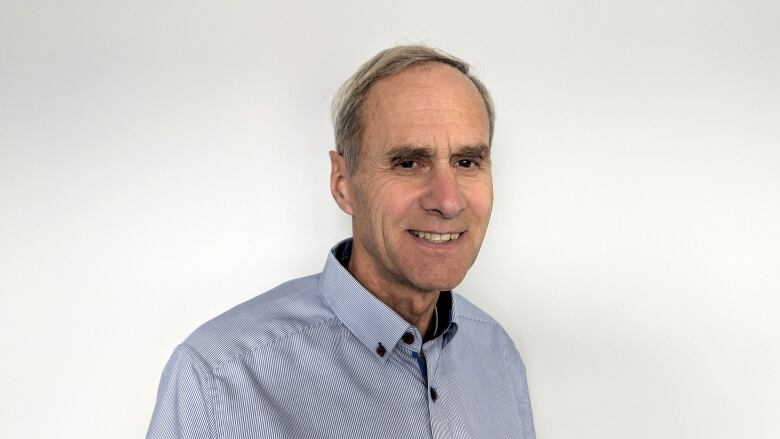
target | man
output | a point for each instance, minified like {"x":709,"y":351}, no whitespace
{"x":376,"y":345}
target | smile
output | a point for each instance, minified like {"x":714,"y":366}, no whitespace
{"x":436,"y":237}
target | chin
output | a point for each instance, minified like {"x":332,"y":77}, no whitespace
{"x":431,"y":274}
{"x":437,"y":281}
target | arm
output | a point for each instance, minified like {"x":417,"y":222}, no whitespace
{"x":520,"y":384}
{"x":185,"y":405}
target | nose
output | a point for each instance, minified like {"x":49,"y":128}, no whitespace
{"x":443,"y":196}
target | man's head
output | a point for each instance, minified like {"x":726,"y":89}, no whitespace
{"x":348,"y":103}
{"x":412,"y":167}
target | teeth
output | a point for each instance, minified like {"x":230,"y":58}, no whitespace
{"x":436,"y":237}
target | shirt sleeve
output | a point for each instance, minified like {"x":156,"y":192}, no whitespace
{"x":517,"y":372}
{"x":185,"y":407}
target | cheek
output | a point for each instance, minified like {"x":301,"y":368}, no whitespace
{"x":480,"y":199}
{"x":392,"y":205}
{"x":383,"y":206}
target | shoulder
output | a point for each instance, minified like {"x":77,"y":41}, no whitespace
{"x":471,"y":312}
{"x":480,"y":323}
{"x":291,"y":308}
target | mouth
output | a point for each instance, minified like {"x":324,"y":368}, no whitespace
{"x":436,"y":237}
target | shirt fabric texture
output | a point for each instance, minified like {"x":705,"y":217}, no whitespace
{"x":322,"y":357}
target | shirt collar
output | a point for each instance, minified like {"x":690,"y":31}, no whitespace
{"x":374,"y":323}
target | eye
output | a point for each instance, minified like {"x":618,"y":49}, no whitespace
{"x":466,"y":163}
{"x":406,"y":164}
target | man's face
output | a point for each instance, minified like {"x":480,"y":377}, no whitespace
{"x":422,"y":193}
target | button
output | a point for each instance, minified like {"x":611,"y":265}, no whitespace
{"x":380,"y":350}
{"x":408,"y":338}
{"x":434,"y":394}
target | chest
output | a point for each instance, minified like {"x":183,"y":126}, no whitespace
{"x":338,"y":389}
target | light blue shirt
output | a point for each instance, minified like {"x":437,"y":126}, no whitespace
{"x":322,"y":357}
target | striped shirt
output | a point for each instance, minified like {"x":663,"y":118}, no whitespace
{"x":322,"y":357}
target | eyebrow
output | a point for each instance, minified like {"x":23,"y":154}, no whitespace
{"x":480,"y":150}
{"x":409,"y":152}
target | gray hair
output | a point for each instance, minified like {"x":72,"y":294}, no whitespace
{"x":348,"y":102}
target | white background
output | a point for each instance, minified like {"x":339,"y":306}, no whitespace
{"x":162,"y":161}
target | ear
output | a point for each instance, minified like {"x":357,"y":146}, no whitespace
{"x":339,"y":182}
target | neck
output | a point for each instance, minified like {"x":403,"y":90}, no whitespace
{"x":416,"y":306}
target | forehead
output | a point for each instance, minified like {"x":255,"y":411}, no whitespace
{"x":425,"y":105}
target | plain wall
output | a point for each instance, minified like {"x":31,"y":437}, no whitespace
{"x":162,"y":161}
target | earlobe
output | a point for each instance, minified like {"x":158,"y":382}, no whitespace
{"x":339,"y":187}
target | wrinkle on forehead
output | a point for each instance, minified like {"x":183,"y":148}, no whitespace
{"x":425,"y":107}
{"x":430,"y":88}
